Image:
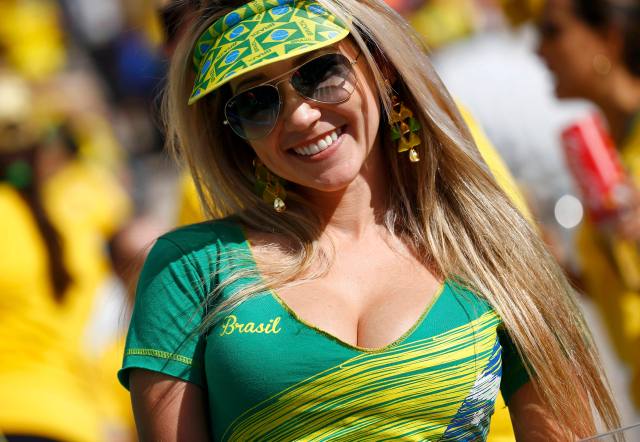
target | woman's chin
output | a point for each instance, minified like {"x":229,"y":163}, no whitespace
{"x":329,"y":185}
{"x":562,"y":94}
{"x":566,"y":92}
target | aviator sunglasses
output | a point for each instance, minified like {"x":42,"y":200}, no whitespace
{"x":327,"y":78}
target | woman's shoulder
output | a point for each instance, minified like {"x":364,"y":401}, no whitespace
{"x":200,"y":245}
{"x":214,"y":233}
{"x":192,"y":253}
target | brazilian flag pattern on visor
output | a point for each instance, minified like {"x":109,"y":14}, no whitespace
{"x":259,"y":33}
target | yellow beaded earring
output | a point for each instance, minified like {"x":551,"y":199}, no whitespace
{"x":404,"y":129}
{"x":270,"y":187}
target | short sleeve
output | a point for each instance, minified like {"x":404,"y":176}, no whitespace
{"x":164,"y":333}
{"x":514,"y":372}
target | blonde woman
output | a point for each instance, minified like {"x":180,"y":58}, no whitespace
{"x":368,"y":279}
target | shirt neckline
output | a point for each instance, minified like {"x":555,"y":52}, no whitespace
{"x":398,"y":341}
{"x":246,"y":244}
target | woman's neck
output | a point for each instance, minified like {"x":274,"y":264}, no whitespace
{"x":352,"y":211}
{"x":621,"y":104}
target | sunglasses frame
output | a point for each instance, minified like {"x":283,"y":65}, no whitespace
{"x":275,"y":82}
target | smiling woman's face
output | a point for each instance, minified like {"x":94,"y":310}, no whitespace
{"x":318,"y":145}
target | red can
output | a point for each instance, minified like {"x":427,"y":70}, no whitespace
{"x":594,"y":163}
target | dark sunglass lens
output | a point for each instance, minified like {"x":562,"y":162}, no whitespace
{"x":328,"y":79}
{"x":253,"y":113}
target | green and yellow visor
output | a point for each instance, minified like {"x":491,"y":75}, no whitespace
{"x":260,"y":33}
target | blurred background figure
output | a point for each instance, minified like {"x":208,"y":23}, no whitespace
{"x":31,"y":39}
{"x":593,"y":49}
{"x":58,"y":211}
{"x":79,"y":83}
{"x":494,"y":70}
{"x":34,"y":279}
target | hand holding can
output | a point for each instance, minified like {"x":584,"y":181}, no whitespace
{"x":611,"y":199}
{"x":594,"y":163}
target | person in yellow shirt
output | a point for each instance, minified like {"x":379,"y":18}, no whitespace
{"x":39,"y":383}
{"x":52,"y":262}
{"x":32,"y":37}
{"x":592,"y":49}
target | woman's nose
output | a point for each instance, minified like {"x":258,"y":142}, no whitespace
{"x":297,"y":112}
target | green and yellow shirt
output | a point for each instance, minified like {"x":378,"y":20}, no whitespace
{"x":271,"y":376}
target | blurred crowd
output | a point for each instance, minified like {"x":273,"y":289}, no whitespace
{"x":85,"y":186}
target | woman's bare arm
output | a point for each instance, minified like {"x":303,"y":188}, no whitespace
{"x":167,"y":409}
{"x":531,"y":419}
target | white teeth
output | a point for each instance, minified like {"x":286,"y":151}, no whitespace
{"x":320,"y":145}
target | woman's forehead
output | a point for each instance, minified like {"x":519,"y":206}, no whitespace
{"x":273,"y":70}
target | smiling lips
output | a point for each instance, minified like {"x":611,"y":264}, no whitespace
{"x":318,"y":146}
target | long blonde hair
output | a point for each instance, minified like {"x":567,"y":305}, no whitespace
{"x":447,"y":207}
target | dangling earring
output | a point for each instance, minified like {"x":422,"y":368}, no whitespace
{"x":404,"y":128}
{"x":601,"y":64}
{"x":270,"y":187}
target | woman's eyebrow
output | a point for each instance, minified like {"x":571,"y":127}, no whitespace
{"x":252,"y":79}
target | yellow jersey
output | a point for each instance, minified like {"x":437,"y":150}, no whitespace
{"x":47,"y":379}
